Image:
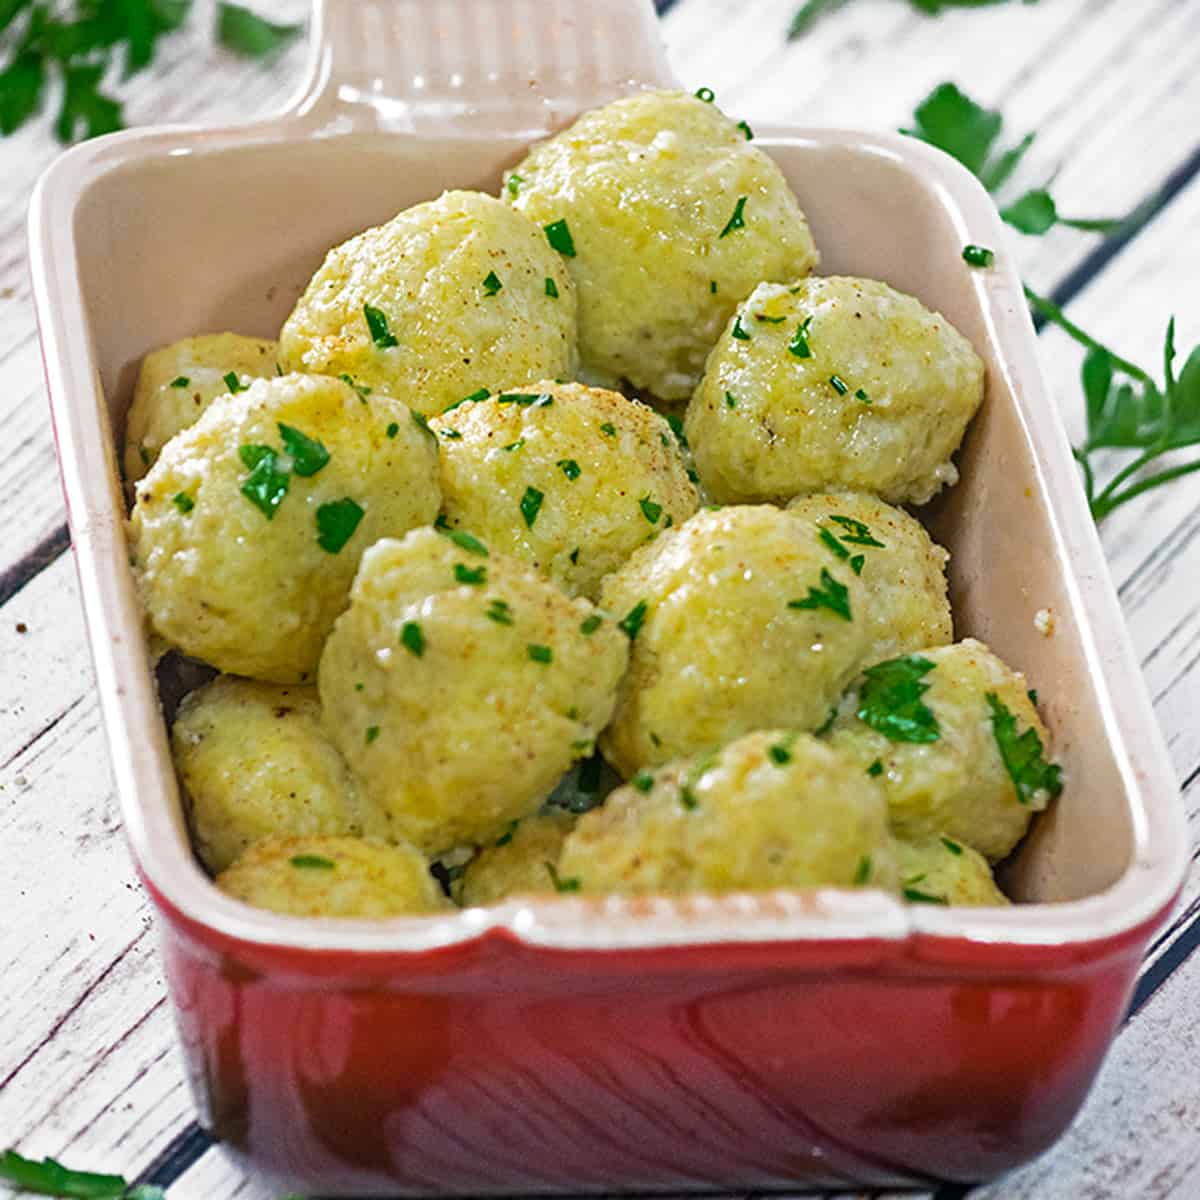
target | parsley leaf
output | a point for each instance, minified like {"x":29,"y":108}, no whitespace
{"x":539,"y":653}
{"x":412,"y":639}
{"x":799,"y":344}
{"x":737,"y":220}
{"x":831,"y":594}
{"x":50,"y":1178}
{"x":631,"y":623}
{"x":474,"y":576}
{"x":499,"y":611}
{"x":266,"y":485}
{"x":314,"y":862}
{"x":246,"y":33}
{"x":464,"y":540}
{"x":183,"y":502}
{"x":650,"y":509}
{"x":531,"y":504}
{"x":561,"y":885}
{"x":336,"y":523}
{"x":590,"y":624}
{"x":551,"y":288}
{"x":558,"y":234}
{"x":491,"y":283}
{"x":308,"y":454}
{"x":85,"y":110}
{"x":857,"y":533}
{"x":377,"y":327}
{"x":569,"y":467}
{"x":1022,"y":754}
{"x":889,"y":700}
{"x":21,"y":84}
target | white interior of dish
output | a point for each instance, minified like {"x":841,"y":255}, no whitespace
{"x":146,"y":238}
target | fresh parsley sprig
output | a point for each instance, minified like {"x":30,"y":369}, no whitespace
{"x":49,"y":1177}
{"x":1127,"y":410}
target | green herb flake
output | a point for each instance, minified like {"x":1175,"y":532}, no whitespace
{"x":745,"y":128}
{"x":632,"y":622}
{"x":590,"y":624}
{"x":862,"y":395}
{"x":551,"y":288}
{"x":650,"y":509}
{"x":513,"y":183}
{"x":569,"y":467}
{"x":558,"y":234}
{"x":769,"y":320}
{"x":266,"y":485}
{"x":889,"y":700}
{"x":393,"y":429}
{"x":539,"y":654}
{"x":315,"y":862}
{"x":514,"y":445}
{"x":421,"y":421}
{"x":738,"y":331}
{"x":781,"y":752}
{"x":712,"y":287}
{"x":246,"y":33}
{"x":308,"y":455}
{"x":531,"y":504}
{"x":730,"y":400}
{"x":561,"y":885}
{"x":676,"y":424}
{"x":978,"y":256}
{"x":875,"y":769}
{"x":1033,"y":696}
{"x":474,"y":576}
{"x":527,"y":399}
{"x":491,"y":283}
{"x":499,"y":611}
{"x":952,"y":846}
{"x":463,"y":540}
{"x":863,"y":872}
{"x":183,"y":502}
{"x":831,"y":594}
{"x":377,"y":327}
{"x":608,"y":429}
{"x":336,"y":523}
{"x":643,"y":782}
{"x":737,"y":220}
{"x":830,"y":540}
{"x":706,"y":94}
{"x":1022,"y":755}
{"x":474,"y":398}
{"x":838,"y":384}
{"x":50,"y":1178}
{"x":916,"y":896}
{"x":857,"y":534}
{"x":857,"y":562}
{"x":412,"y":639}
{"x":361,"y":388}
{"x":507,"y":836}
{"x":233,"y":383}
{"x":371,"y":734}
{"x":181,"y":381}
{"x":574,"y":557}
{"x":799,"y":344}
{"x":451,"y":435}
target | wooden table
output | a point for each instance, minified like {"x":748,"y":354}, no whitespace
{"x":89,"y":1070}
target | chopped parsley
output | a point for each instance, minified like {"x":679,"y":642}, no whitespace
{"x":233,"y":383}
{"x":361,"y":388}
{"x":462,"y":539}
{"x":608,"y":429}
{"x":558,"y":234}
{"x":676,"y":424}
{"x":952,"y":846}
{"x":574,"y":557}
{"x":799,"y":344}
{"x":730,"y":400}
{"x":875,"y":769}
{"x":507,"y":836}
{"x":831,"y":595}
{"x":499,"y":612}
{"x":308,"y":455}
{"x":491,"y":283}
{"x":451,"y":435}
{"x":569,"y":467}
{"x":712,"y":286}
{"x":745,"y":128}
{"x":857,"y":534}
{"x":527,"y":399}
{"x":371,"y":734}
{"x":863,"y":873}
{"x":393,"y":429}
{"x":889,"y":700}
{"x":514,"y":183}
{"x":183,"y":502}
{"x":336,"y":523}
{"x":643,"y":781}
{"x":266,"y":485}
{"x":474,"y":398}
{"x":514,"y":445}
{"x":180,"y":381}
{"x":739,"y":331}
{"x":687,"y":794}
{"x":631,"y":623}
{"x":862,"y":395}
{"x":916,"y":896}
{"x":769,"y":320}
{"x":706,"y":94}
{"x":737,"y":220}
{"x":650,"y":509}
{"x":1022,"y":754}
{"x":781,"y":753}
{"x":539,"y":654}
{"x":377,"y":327}
{"x":561,"y":885}
{"x":978,"y":256}
{"x":474,"y":576}
{"x":531,"y":504}
{"x":49,"y":1177}
{"x":831,"y":541}
{"x":412,"y":639}
{"x":421,"y":421}
{"x":315,"y":862}
{"x":590,"y":624}
{"x":838,"y":384}
{"x":551,"y":288}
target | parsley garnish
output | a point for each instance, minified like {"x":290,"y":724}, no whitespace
{"x":706,"y":94}
{"x":377,"y":327}
{"x":451,"y":435}
{"x":393,"y":429}
{"x":1022,"y":754}
{"x":421,"y":421}
{"x":531,"y":504}
{"x":889,"y":700}
{"x":361,"y":388}
{"x":473,"y":398}
{"x":539,"y":654}
{"x":916,"y":896}
{"x":781,"y":752}
{"x":631,"y":623}
{"x":676,"y":425}
{"x":558,"y":234}
{"x":838,"y":384}
{"x":308,"y":454}
{"x":831,"y":541}
{"x":862,"y":395}
{"x":730,"y":400}
{"x":952,"y":846}
{"x":769,"y":320}
{"x":643,"y":781}
{"x":569,"y":467}
{"x":978,"y":256}
{"x":180,"y":381}
{"x":650,"y":510}
{"x":712,"y":286}
{"x":574,"y":556}
{"x":863,"y":871}
{"x":560,"y":884}
{"x":266,"y":485}
{"x":737,"y":220}
{"x":246,"y":33}
{"x":233,"y":383}
{"x":1128,"y":410}
{"x":551,"y":288}
{"x":799,"y":344}
{"x":514,"y":183}
{"x":183,"y":502}
{"x":739,"y":330}
{"x":499,"y":612}
{"x":471,"y":575}
{"x":1033,"y":696}
{"x":462,"y":539}
{"x":857,"y":534}
{"x":491,"y":283}
{"x":514,"y":445}
{"x":507,"y":836}
{"x":527,"y":399}
{"x":590,"y":624}
{"x":875,"y":769}
{"x":50,"y":1178}
{"x":371,"y":734}
{"x":745,"y":128}
{"x":336,"y":523}
{"x":315,"y":862}
{"x":412,"y":639}
{"x":831,"y":594}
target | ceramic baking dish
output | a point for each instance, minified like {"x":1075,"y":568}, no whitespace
{"x":566,"y":1044}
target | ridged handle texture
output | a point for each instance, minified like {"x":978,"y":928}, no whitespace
{"x":475,"y":68}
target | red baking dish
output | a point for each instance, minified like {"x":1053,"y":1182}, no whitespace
{"x":567,"y":1044}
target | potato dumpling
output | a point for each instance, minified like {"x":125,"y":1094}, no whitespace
{"x":743,"y":621}
{"x":833,"y":383}
{"x":460,"y":686}
{"x":254,"y":761}
{"x":936,"y":729}
{"x":247,"y":532}
{"x":333,"y":877}
{"x":772,"y":809}
{"x":668,"y":216}
{"x":177,"y":383}
{"x":452,"y":296}
{"x":903,"y":569}
{"x":522,"y":861}
{"x":942,"y":870}
{"x":568,"y":478}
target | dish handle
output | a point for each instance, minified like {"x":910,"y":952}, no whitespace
{"x":474,"y":68}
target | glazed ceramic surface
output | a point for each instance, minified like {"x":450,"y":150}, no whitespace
{"x":568,"y":1044}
